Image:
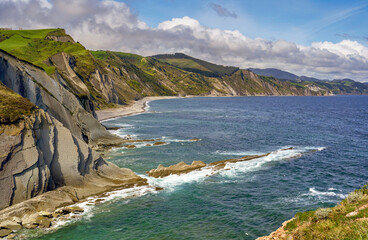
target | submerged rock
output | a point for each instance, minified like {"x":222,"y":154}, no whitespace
{"x":180,"y":168}
{"x":159,"y":143}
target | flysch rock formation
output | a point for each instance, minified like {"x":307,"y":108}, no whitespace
{"x":54,"y":98}
{"x":48,"y":158}
{"x":182,"y":168}
{"x":44,"y":167}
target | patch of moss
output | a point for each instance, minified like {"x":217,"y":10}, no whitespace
{"x":13,"y":107}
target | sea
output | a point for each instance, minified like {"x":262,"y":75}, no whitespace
{"x":246,"y":200}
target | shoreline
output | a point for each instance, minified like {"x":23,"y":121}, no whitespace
{"x":133,"y":108}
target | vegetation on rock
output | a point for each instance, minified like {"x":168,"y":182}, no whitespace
{"x":13,"y":107}
{"x":347,"y":220}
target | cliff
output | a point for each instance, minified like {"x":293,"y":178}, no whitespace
{"x":51,"y":95}
{"x":39,"y":154}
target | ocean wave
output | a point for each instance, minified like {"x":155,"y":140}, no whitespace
{"x":284,"y":153}
{"x":231,"y":170}
{"x":238,"y":153}
{"x":329,"y":193}
{"x":90,"y":204}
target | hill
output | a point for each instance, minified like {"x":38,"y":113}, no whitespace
{"x":195,"y":65}
{"x":105,"y":79}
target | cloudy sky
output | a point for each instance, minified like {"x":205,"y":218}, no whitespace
{"x":320,"y":38}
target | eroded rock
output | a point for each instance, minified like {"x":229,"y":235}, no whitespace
{"x":180,"y":168}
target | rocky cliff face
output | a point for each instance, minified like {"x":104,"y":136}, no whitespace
{"x":53,"y":96}
{"x":39,"y":154}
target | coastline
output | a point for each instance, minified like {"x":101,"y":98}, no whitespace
{"x":135,"y":107}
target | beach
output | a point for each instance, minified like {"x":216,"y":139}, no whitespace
{"x":130,"y":109}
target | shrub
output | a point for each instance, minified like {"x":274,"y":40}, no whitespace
{"x":322,"y":213}
{"x":354,"y":196}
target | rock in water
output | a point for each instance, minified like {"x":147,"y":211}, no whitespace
{"x":180,"y":168}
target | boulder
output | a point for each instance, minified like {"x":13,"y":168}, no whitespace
{"x":10,"y":225}
{"x":5,"y":232}
{"x":159,"y":143}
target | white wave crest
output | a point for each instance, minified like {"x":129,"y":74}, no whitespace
{"x":329,"y":193}
{"x":284,"y":153}
{"x":89,"y":204}
{"x":231,"y":169}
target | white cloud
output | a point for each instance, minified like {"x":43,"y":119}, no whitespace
{"x":111,"y":25}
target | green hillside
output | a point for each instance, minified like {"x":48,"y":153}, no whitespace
{"x":102,"y":79}
{"x":37,"y":46}
{"x":191,"y":64}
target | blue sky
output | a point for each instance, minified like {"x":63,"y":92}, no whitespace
{"x":299,"y":21}
{"x":324,"y":39}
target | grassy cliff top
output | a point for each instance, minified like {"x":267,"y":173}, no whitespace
{"x":13,"y":106}
{"x":348,"y":220}
{"x":37,"y":46}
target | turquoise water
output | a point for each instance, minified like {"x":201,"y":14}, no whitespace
{"x":250,"y":199}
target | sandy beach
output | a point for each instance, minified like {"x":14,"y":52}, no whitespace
{"x":134,"y":108}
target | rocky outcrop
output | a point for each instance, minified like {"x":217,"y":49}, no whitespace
{"x":179,"y":168}
{"x":39,"y":154}
{"x":279,"y":234}
{"x":54,"y":98}
{"x":182,"y":167}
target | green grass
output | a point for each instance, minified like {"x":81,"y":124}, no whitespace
{"x":31,"y":46}
{"x":196,"y":65}
{"x":13,"y":107}
{"x":335,"y":224}
{"x":185,"y":63}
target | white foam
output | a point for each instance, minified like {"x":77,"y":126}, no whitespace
{"x":89,"y":204}
{"x":172,"y":181}
{"x":231,"y":169}
{"x":329,"y":193}
{"x":146,"y":106}
{"x":284,"y":153}
{"x":238,"y":153}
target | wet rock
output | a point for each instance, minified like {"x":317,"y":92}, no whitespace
{"x":195,"y":139}
{"x":159,"y":188}
{"x":130,"y":146}
{"x":10,"y":225}
{"x":180,"y":168}
{"x":30,"y":221}
{"x":43,"y":222}
{"x":5,"y":232}
{"x":158,"y":143}
{"x":148,"y":145}
{"x":70,"y":209}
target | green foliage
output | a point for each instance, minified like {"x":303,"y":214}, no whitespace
{"x":135,"y":85}
{"x":334,"y":223}
{"x":13,"y":107}
{"x":322,"y":213}
{"x":196,"y":65}
{"x":354,"y":196}
{"x":32,"y":46}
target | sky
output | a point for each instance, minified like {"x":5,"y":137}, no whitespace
{"x":327,"y":39}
